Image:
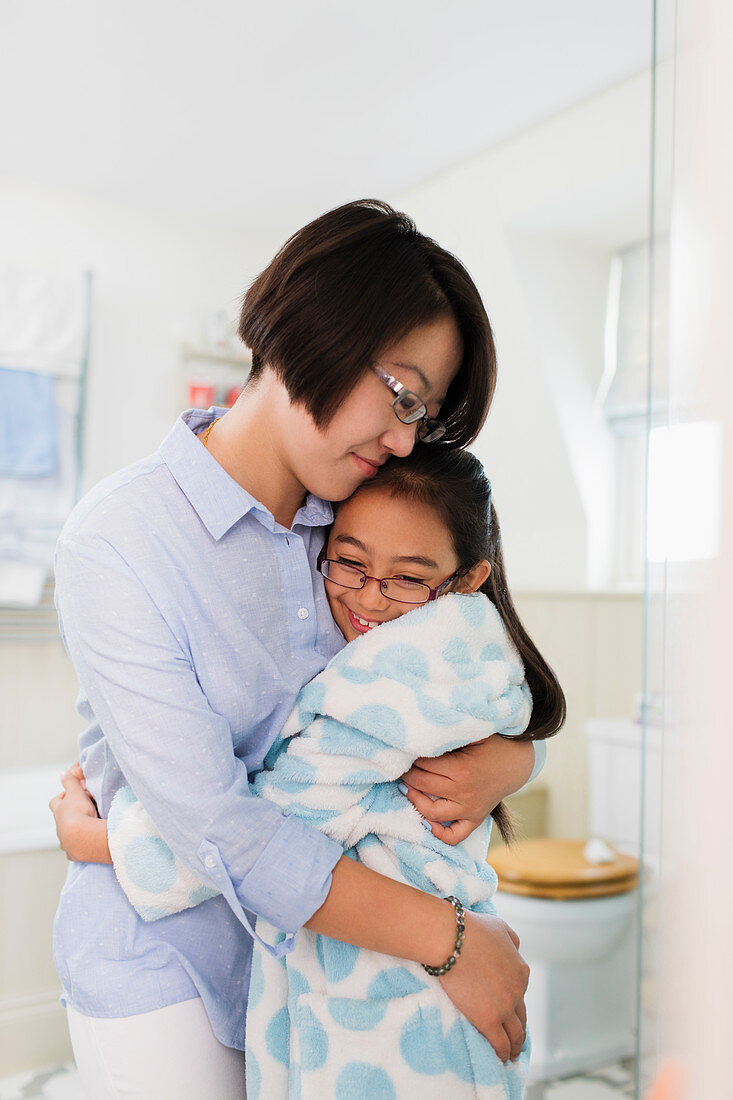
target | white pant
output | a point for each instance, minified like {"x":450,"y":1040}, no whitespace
{"x":168,"y":1054}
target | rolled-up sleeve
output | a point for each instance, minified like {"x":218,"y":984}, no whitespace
{"x":175,"y":751}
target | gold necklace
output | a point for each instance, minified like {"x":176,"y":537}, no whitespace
{"x":205,"y":435}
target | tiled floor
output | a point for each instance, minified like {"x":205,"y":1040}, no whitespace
{"x":609,"y":1083}
{"x":62,"y":1083}
{"x":55,"y":1083}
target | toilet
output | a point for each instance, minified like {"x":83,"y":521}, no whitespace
{"x":576,"y":921}
{"x":577,"y":917}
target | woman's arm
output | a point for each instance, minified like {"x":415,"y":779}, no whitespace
{"x":488,"y":982}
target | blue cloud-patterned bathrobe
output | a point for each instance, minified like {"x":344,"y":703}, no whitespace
{"x":326,"y":1019}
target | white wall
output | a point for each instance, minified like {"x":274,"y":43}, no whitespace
{"x":565,"y":283}
{"x":536,"y":221}
{"x":593,"y":641}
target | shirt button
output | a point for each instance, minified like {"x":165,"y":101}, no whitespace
{"x":302,"y":612}
{"x":210,"y":861}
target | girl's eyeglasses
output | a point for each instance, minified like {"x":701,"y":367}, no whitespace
{"x":400,"y":589}
{"x":410,"y":409}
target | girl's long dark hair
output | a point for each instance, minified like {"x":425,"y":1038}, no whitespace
{"x":453,"y":482}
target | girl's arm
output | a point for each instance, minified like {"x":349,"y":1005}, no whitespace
{"x":82,"y":833}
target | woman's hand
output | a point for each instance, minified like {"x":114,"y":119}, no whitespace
{"x":467,"y":784}
{"x":81,"y":832}
{"x":488,"y":981}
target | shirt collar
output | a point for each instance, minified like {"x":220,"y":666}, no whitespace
{"x":217,"y":498}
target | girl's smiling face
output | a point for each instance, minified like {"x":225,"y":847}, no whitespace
{"x":385,"y":536}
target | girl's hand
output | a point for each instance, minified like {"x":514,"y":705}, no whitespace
{"x":76,"y":771}
{"x":467,"y":784}
{"x":82,"y":834}
{"x":488,"y":982}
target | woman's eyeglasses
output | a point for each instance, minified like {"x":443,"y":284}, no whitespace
{"x":400,"y":589}
{"x":410,"y":409}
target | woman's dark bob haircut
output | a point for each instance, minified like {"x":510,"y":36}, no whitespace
{"x":345,"y":288}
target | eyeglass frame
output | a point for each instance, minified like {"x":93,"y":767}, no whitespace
{"x":433,"y":593}
{"x":422,"y":419}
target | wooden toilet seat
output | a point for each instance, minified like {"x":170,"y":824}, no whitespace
{"x":551,"y":868}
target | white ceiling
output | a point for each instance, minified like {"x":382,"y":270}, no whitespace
{"x":259,"y":116}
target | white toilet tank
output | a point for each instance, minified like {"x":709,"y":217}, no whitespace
{"x":582,"y":953}
{"x":616,"y":752}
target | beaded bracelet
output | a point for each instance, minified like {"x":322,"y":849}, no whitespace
{"x":437,"y":971}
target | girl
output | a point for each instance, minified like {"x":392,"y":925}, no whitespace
{"x":186,"y":600}
{"x":446,"y":674}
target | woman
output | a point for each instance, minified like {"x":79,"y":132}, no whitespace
{"x":186,"y":598}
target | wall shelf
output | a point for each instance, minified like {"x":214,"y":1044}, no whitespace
{"x":190,"y":354}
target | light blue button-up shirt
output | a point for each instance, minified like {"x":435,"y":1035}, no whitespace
{"x":193,"y":619}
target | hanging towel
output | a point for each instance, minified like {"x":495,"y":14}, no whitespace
{"x":21,"y":585}
{"x":44,"y":320}
{"x":326,"y":1018}
{"x":44,"y":331}
{"x":28,"y":427}
{"x":33,"y":510}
